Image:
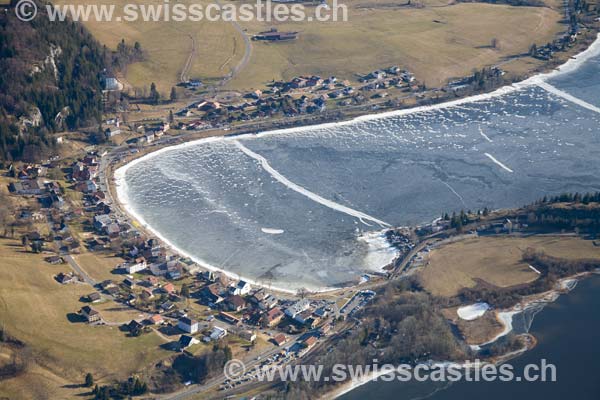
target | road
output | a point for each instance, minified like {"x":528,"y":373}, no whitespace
{"x":184,"y":76}
{"x":79,"y":271}
{"x":214,"y":382}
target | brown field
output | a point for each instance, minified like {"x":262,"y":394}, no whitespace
{"x":439,"y":41}
{"x":99,"y":265}
{"x":436,"y":43}
{"x":496,"y":260}
{"x":37,"y":310}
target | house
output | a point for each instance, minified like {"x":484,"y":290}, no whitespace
{"x":112,"y":290}
{"x":167,"y":306}
{"x":279,"y":339}
{"x":28,"y":187}
{"x":94,"y":297}
{"x":310,"y":342}
{"x":134,"y":326}
{"x":229,"y":318}
{"x":186,"y":341}
{"x":128,"y":282}
{"x":303,"y":317}
{"x":54,"y":260}
{"x":139,"y":265}
{"x":153,"y":281}
{"x":272,"y":317}
{"x":235,"y":303}
{"x":65,"y":278}
{"x":168,"y":288}
{"x":218,"y":333}
{"x":149,"y":137}
{"x":156,"y":319}
{"x":112,"y":131}
{"x":241,"y":288}
{"x":90,"y":314}
{"x":147,"y":294}
{"x":274,"y":35}
{"x":101,"y":222}
{"x":248,"y":335}
{"x":297,"y":308}
{"x":211,"y":294}
{"x":188,"y":325}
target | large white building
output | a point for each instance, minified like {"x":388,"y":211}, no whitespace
{"x":188,"y":325}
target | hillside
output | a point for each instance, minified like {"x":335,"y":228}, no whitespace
{"x":50,"y":82}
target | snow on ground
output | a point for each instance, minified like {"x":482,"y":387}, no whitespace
{"x":473,"y":311}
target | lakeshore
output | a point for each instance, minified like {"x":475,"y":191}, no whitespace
{"x":569,"y":316}
{"x":235,"y":139}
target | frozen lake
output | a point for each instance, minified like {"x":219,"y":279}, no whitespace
{"x":304,"y":207}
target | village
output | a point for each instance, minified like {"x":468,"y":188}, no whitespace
{"x":189,"y":306}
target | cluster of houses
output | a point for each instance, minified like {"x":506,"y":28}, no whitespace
{"x":300,"y":95}
{"x":149,"y":133}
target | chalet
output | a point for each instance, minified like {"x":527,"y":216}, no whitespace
{"x":90,"y":314}
{"x":274,"y":35}
{"x":279,"y":339}
{"x":186,"y":341}
{"x":106,"y":284}
{"x":167,"y":306}
{"x":156,"y":319}
{"x":235,"y":303}
{"x":208,"y":105}
{"x":272,"y":317}
{"x":134,"y":326}
{"x":147,"y":294}
{"x":112,"y":290}
{"x":65,"y":278}
{"x":94,"y":297}
{"x":54,"y":260}
{"x":188,"y":325}
{"x":168,"y":288}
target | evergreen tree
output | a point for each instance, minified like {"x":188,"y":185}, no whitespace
{"x":89,"y":380}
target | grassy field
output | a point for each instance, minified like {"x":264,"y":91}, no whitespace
{"x":437,"y":41}
{"x":99,"y":265}
{"x":496,"y":260}
{"x":37,"y":310}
